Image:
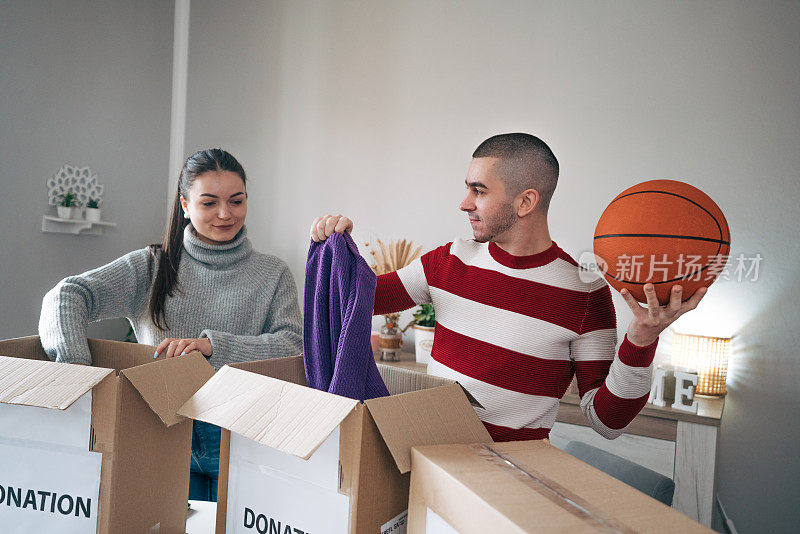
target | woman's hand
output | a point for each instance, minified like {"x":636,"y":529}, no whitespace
{"x":178,"y":347}
{"x":323,"y":227}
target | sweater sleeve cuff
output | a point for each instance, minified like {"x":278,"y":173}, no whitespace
{"x":74,"y":355}
{"x":218,"y":342}
{"x":630,"y":354}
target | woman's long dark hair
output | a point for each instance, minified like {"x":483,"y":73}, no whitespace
{"x":167,"y":254}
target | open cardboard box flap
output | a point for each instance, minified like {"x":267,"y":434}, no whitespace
{"x":105,"y":353}
{"x":427,"y":417}
{"x":167,"y":384}
{"x":290,"y":368}
{"x":288,"y":417}
{"x":23,"y":347}
{"x":119,"y":354}
{"x":399,"y":380}
{"x":44,"y":383}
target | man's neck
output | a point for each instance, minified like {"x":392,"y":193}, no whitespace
{"x":525,"y":240}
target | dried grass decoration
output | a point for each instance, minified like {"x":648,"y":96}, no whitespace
{"x":395,"y":255}
{"x":388,"y":258}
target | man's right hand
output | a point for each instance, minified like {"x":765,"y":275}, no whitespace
{"x":323,"y":227}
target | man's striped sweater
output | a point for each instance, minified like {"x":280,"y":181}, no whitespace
{"x":514,"y":330}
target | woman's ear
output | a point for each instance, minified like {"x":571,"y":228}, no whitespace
{"x":528,"y":201}
{"x":185,"y":206}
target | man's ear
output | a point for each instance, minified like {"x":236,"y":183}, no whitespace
{"x":527,"y":201}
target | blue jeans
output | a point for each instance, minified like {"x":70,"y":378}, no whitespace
{"x":204,"y":470}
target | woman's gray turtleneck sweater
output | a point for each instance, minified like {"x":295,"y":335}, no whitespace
{"x":245,"y":302}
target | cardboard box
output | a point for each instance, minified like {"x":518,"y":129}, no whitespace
{"x":95,"y":445}
{"x":299,"y":460}
{"x":526,"y":486}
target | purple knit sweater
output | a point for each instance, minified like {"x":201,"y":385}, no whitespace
{"x":339,"y":298}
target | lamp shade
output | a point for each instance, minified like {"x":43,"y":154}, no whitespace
{"x":708,"y":355}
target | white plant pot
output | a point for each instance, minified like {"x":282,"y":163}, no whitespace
{"x":93,"y":214}
{"x":64,"y":212}
{"x":423,"y":342}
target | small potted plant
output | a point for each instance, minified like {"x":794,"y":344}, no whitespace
{"x":67,"y":205}
{"x":93,"y":210}
{"x":424,"y":322}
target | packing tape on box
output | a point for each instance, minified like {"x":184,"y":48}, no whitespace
{"x":553,"y":491}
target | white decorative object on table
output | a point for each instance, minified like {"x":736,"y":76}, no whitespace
{"x":658,"y":389}
{"x":424,"y":323}
{"x":685,"y":385}
{"x":423,"y":342}
{"x":79,"y":180}
{"x":674,"y":386}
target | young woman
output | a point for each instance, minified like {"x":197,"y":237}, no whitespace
{"x":203,"y":288}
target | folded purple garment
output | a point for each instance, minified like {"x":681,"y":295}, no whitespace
{"x":337,"y":321}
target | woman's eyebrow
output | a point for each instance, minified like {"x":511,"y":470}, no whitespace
{"x":215,"y":196}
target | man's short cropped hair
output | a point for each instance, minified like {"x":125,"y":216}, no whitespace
{"x":527,"y":163}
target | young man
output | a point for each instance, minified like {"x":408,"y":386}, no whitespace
{"x":516,"y":316}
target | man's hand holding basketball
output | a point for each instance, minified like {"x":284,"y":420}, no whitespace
{"x":649,"y":321}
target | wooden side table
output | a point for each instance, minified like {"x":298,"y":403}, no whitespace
{"x":678,"y":444}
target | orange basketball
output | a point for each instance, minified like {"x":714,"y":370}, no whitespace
{"x":663,"y":232}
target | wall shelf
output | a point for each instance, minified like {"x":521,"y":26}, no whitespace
{"x":57,"y":225}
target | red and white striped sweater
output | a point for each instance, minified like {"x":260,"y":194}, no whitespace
{"x":513,"y":331}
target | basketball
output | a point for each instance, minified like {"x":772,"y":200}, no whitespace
{"x":662,"y":232}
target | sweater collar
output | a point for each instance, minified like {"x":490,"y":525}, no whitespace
{"x":524,"y":262}
{"x":217,"y":256}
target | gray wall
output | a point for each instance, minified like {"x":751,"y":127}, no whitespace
{"x":81,"y":83}
{"x":372,"y":109}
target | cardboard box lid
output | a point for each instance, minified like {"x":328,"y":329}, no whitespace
{"x":541,"y":488}
{"x":427,"y":417}
{"x":291,"y":418}
{"x":167,"y":384}
{"x":44,"y":383}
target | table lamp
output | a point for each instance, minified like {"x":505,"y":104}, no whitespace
{"x":709,"y":356}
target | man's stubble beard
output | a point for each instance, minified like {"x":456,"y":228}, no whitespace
{"x":503,"y":221}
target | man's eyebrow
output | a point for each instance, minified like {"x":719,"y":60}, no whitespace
{"x":475,"y":184}
{"x":215,"y":196}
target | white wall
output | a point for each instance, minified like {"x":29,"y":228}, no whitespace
{"x":82,"y":83}
{"x":373,"y":108}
